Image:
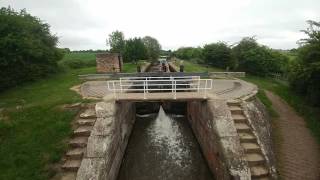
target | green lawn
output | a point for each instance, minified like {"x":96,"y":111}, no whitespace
{"x":33,"y":125}
{"x":129,"y":68}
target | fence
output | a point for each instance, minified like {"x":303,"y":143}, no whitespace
{"x":160,"y":84}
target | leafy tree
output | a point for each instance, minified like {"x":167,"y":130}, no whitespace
{"x":305,"y":73}
{"x":27,"y":49}
{"x":134,"y":50}
{"x":153,"y":47}
{"x":190,"y":53}
{"x":256,"y":59}
{"x":116,"y":42}
{"x":218,"y":54}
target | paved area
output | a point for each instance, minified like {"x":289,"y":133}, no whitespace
{"x":222,"y":88}
{"x":299,"y":153}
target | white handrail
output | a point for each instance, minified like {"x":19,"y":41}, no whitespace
{"x":156,"y":84}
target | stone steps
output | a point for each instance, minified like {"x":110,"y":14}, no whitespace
{"x":255,"y":159}
{"x":259,"y":172}
{"x":71,"y":165}
{"x":86,"y":122}
{"x":75,"y":153}
{"x":78,"y":142}
{"x":242,"y":128}
{"x":235,"y":110}
{"x":251,"y":147}
{"x":83,"y":131}
{"x":239,"y":118}
{"x":247,"y":137}
{"x":248,"y":141}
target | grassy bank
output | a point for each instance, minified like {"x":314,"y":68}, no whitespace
{"x":309,"y":113}
{"x":33,"y":125}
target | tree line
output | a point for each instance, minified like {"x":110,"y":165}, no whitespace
{"x":248,"y":55}
{"x":134,"y":49}
{"x":302,"y":71}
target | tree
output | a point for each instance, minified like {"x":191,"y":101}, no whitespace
{"x":190,"y":53}
{"x":218,"y":54}
{"x":305,"y":73}
{"x":27,"y":49}
{"x":116,"y":42}
{"x":257,"y":59}
{"x":153,"y":47}
{"x":134,"y":50}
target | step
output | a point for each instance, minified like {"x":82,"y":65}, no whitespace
{"x":251,"y":147}
{"x":88,"y":114}
{"x":68,"y":176}
{"x":78,"y":142}
{"x":262,"y":178}
{"x":247,"y":137}
{"x":83,"y":131}
{"x":233,"y":103}
{"x":239,"y":118}
{"x":75,"y":153}
{"x":255,"y":159}
{"x":259,"y":171}
{"x":72,"y":165}
{"x":236,"y":110}
{"x":242,"y":127}
{"x":86,"y":122}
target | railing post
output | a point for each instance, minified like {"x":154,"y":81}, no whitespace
{"x":147,"y":85}
{"x":144,"y":89}
{"x":120,"y":85}
{"x":198,"y":85}
{"x":114,"y":90}
{"x":205,"y":89}
{"x":175,"y":89}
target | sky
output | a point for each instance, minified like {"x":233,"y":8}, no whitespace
{"x":85,"y":24}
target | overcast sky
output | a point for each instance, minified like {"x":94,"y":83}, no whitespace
{"x":85,"y":24}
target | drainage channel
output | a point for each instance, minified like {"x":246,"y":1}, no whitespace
{"x":162,"y":146}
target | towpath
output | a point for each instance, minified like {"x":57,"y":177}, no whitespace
{"x":296,"y":148}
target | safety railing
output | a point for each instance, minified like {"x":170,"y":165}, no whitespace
{"x":172,"y":85}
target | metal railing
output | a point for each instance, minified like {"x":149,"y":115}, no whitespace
{"x":173,"y":85}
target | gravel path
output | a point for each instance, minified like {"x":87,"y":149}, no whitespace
{"x":299,"y":152}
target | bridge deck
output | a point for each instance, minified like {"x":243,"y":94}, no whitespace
{"x":180,"y":96}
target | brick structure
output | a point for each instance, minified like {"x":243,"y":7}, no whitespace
{"x":109,"y":62}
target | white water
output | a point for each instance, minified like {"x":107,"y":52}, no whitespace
{"x":166,"y":133}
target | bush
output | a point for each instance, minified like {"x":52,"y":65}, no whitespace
{"x":305,"y":74}
{"x":218,"y":55}
{"x":258,"y":60}
{"x":27,"y":49}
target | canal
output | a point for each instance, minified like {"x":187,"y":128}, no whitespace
{"x":163,"y":147}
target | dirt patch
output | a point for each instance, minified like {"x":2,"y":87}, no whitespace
{"x":298,"y":151}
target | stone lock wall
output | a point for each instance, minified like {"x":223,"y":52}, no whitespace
{"x":213,"y":127}
{"x":109,"y":62}
{"x":108,"y":141}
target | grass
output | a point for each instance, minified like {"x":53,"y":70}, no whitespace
{"x":301,"y":106}
{"x":33,"y":125}
{"x":129,"y":67}
{"x":193,"y":67}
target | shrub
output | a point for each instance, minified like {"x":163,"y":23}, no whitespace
{"x":27,"y":49}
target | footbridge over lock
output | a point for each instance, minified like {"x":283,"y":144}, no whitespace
{"x":229,"y":123}
{"x":157,"y":88}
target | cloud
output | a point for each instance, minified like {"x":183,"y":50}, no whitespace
{"x":85,"y":24}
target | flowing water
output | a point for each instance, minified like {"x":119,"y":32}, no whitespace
{"x":163,"y":147}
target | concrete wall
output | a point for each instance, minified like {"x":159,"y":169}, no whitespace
{"x":108,"y":141}
{"x":214,"y":129}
